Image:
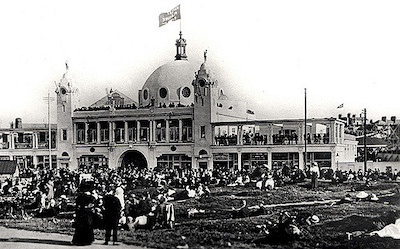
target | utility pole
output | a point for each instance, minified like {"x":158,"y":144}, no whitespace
{"x":365,"y":140}
{"x":49,"y":99}
{"x":305,"y":128}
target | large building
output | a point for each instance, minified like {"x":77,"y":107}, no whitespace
{"x":183,"y":119}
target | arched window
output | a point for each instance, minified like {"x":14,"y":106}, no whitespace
{"x":163,"y":92}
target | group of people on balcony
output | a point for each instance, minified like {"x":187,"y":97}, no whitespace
{"x":250,"y":138}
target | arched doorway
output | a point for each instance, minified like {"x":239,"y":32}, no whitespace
{"x":133,"y":158}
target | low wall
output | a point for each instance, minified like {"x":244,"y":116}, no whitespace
{"x":382,"y":166}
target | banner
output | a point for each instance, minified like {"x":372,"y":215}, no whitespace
{"x":173,"y":15}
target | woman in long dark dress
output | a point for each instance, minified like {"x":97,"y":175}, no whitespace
{"x":84,"y":219}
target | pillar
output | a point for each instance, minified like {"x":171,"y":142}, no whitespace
{"x":332,"y":132}
{"x":269,"y":160}
{"x":334,"y":160}
{"x":150,"y":131}
{"x":167,"y":130}
{"x":11,"y":139}
{"x":74,"y":133}
{"x":180,"y":130}
{"x":35,"y":140}
{"x":301,"y":160}
{"x":239,"y":161}
{"x":34,"y":161}
{"x":86,"y":132}
{"x":110,"y":131}
{"x":98,"y":138}
{"x":154,"y":130}
{"x":138,"y":131}
{"x":126,"y":137}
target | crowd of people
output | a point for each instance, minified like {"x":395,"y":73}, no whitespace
{"x":134,"y":197}
{"x":251,"y":138}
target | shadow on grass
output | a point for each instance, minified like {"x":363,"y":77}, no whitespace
{"x":38,"y":241}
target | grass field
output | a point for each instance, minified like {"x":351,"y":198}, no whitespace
{"x":215,"y":228}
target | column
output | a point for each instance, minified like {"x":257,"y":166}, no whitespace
{"x":11,"y":139}
{"x":98,"y":132}
{"x":35,"y":140}
{"x":239,"y":160}
{"x":167,"y":130}
{"x":126,"y":138}
{"x":332,"y":132}
{"x":151,"y":130}
{"x":301,"y":160}
{"x":34,"y":161}
{"x":269,"y":159}
{"x":74,"y":133}
{"x":154,"y":130}
{"x":180,"y":130}
{"x":334,"y":160}
{"x":271,"y":129}
{"x":138,"y":131}
{"x":110,"y":131}
{"x":86,"y":132}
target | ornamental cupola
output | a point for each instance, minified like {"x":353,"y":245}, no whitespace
{"x":180,"y":48}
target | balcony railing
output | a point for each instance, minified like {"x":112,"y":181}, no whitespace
{"x":23,"y":145}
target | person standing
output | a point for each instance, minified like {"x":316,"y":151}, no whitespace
{"x":314,"y":170}
{"x":84,"y":219}
{"x":111,"y":215}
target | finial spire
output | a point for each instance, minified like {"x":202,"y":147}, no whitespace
{"x":205,"y":55}
{"x":66,"y":65}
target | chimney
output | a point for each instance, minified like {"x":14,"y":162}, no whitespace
{"x":393,"y":118}
{"x":384,"y":118}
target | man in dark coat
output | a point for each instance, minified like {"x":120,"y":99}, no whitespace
{"x":112,"y":213}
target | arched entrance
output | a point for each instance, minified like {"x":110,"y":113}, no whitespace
{"x":133,"y":158}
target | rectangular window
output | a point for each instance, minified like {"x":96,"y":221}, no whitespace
{"x":202,"y":131}
{"x":64,"y":135}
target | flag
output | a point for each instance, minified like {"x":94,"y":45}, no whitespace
{"x":340,"y":106}
{"x":173,"y":15}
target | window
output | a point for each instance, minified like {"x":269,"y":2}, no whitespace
{"x":63,"y":108}
{"x":64,"y":134}
{"x":186,"y":92}
{"x":202,"y":131}
{"x":145,"y":94}
{"x":163,"y":92}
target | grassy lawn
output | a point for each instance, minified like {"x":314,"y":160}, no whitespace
{"x":215,"y":228}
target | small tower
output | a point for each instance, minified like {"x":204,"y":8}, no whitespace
{"x":180,"y":48}
{"x":205,"y":90}
{"x":65,"y":105}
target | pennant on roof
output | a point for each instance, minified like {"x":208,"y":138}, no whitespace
{"x":173,"y":15}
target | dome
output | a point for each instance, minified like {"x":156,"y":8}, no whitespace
{"x":171,"y":82}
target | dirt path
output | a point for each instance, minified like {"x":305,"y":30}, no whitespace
{"x":22,"y":239}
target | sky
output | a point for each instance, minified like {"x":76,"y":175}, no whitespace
{"x":263,"y":52}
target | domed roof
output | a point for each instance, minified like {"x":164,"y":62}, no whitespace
{"x":174,"y":77}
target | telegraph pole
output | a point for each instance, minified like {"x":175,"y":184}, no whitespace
{"x":49,"y":99}
{"x":305,"y":128}
{"x":365,"y":140}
